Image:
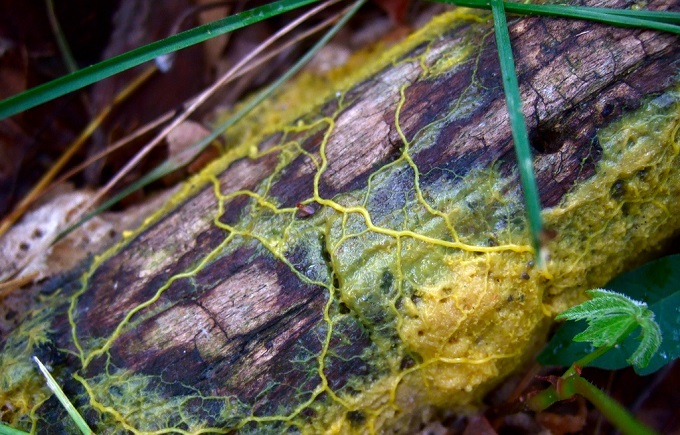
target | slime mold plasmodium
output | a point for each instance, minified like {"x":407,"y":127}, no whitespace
{"x":293,"y":294}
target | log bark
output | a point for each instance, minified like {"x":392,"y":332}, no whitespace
{"x":370,"y":261}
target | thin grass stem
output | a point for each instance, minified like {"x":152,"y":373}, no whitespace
{"x":73,"y":148}
{"x":169,"y":115}
{"x":519,"y":129}
{"x":70,"y":409}
{"x":6,"y":430}
{"x":666,"y":21}
{"x":64,"y":48}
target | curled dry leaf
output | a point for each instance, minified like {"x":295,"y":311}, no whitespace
{"x":559,"y":423}
{"x":180,"y":141}
{"x":479,"y":425}
{"x":28,"y":248}
{"x":25,"y":247}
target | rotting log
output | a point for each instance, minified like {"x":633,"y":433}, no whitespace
{"x":368,"y":262}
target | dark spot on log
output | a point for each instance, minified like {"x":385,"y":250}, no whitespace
{"x":642,"y":174}
{"x":448,"y":157}
{"x":625,"y":209}
{"x":608,"y":110}
{"x":407,"y":362}
{"x":386,"y":281}
{"x":217,"y":271}
{"x":296,"y":293}
{"x":546,"y":139}
{"x":233,"y":210}
{"x":356,"y":418}
{"x":11,"y":314}
{"x":69,"y":281}
{"x":324,"y":249}
{"x":48,"y":353}
{"x":617,"y":190}
{"x":296,"y":180}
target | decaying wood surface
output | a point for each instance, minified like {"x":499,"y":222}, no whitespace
{"x":235,"y":326}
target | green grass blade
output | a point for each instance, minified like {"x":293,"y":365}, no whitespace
{"x":109,"y":67}
{"x":168,"y":166}
{"x":519,"y":128}
{"x":6,"y":430}
{"x":72,"y":412}
{"x":658,"y":16}
{"x":64,"y":48}
{"x":665,"y":21}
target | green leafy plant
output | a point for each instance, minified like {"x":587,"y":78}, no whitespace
{"x":609,"y":341}
{"x":611,"y":318}
{"x":571,"y":384}
{"x":657,"y":285}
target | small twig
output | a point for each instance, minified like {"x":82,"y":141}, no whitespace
{"x":7,"y":287}
{"x":168,"y":115}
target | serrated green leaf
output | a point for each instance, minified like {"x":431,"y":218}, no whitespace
{"x":612,"y":317}
{"x":608,"y":330}
{"x":651,"y":341}
{"x":658,"y":284}
{"x":603,"y":303}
